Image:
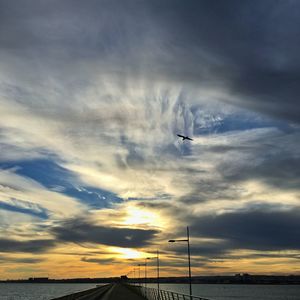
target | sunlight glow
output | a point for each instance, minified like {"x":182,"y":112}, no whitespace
{"x":128,"y":253}
{"x":137,"y":216}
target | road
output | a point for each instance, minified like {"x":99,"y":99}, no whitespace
{"x":115,"y":291}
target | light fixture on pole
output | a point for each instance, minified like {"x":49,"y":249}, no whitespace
{"x":157,"y":260}
{"x":189,"y":257}
{"x":139,"y":265}
{"x":146,"y":270}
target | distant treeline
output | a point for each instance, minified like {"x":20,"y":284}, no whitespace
{"x":235,"y":279}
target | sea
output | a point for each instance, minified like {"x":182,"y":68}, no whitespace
{"x":237,"y":291}
{"x":47,"y":291}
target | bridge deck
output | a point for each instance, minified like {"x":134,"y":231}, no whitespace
{"x":107,"y":292}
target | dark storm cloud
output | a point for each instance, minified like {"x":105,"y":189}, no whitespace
{"x":68,"y":30}
{"x":249,"y":48}
{"x":30,"y":246}
{"x":257,"y":230}
{"x":207,"y":249}
{"x":81,"y":231}
{"x":225,"y":250}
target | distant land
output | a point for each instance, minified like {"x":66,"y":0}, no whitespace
{"x":234,"y":279}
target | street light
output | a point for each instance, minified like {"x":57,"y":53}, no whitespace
{"x":189,"y":256}
{"x":134,"y":277}
{"x":139,"y":265}
{"x":146,"y":271}
{"x":157,"y":260}
{"x":145,"y":264}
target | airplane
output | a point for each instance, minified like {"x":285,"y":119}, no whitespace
{"x":184,"y":137}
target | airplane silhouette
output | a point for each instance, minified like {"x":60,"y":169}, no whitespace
{"x":184,"y":137}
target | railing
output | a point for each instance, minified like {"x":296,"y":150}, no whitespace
{"x":154,"y":294}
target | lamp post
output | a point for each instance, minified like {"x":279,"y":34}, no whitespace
{"x":146,"y":271}
{"x":189,"y":256}
{"x":134,"y":279}
{"x":157,"y":260}
{"x":143,"y":265}
{"x":139,"y":265}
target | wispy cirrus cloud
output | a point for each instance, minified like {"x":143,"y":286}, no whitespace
{"x":24,"y":207}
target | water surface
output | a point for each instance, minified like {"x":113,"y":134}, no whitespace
{"x":40,"y":291}
{"x":47,"y":291}
{"x":237,"y":291}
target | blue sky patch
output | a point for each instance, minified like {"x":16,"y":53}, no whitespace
{"x":25,"y":208}
{"x":45,"y":171}
{"x":54,"y":177}
{"x":93,"y":197}
{"x":206,"y":122}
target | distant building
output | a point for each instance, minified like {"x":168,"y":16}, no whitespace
{"x":38,"y":279}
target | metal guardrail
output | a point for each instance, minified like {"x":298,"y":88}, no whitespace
{"x":154,"y":294}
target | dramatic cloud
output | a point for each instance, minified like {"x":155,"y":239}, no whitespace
{"x":256,"y":230}
{"x":275,"y":162}
{"x":23,"y":260}
{"x":80,"y":231}
{"x":25,"y":208}
{"x":237,"y":47}
{"x":31,"y":246}
{"x":92,"y":97}
{"x":246,"y":52}
{"x":98,"y":260}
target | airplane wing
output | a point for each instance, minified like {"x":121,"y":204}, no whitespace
{"x":180,"y":135}
{"x":189,"y":138}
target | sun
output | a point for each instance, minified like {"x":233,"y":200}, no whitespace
{"x":128,"y":253}
{"x":137,"y":216}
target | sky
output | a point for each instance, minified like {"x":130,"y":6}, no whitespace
{"x":93,"y":177}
